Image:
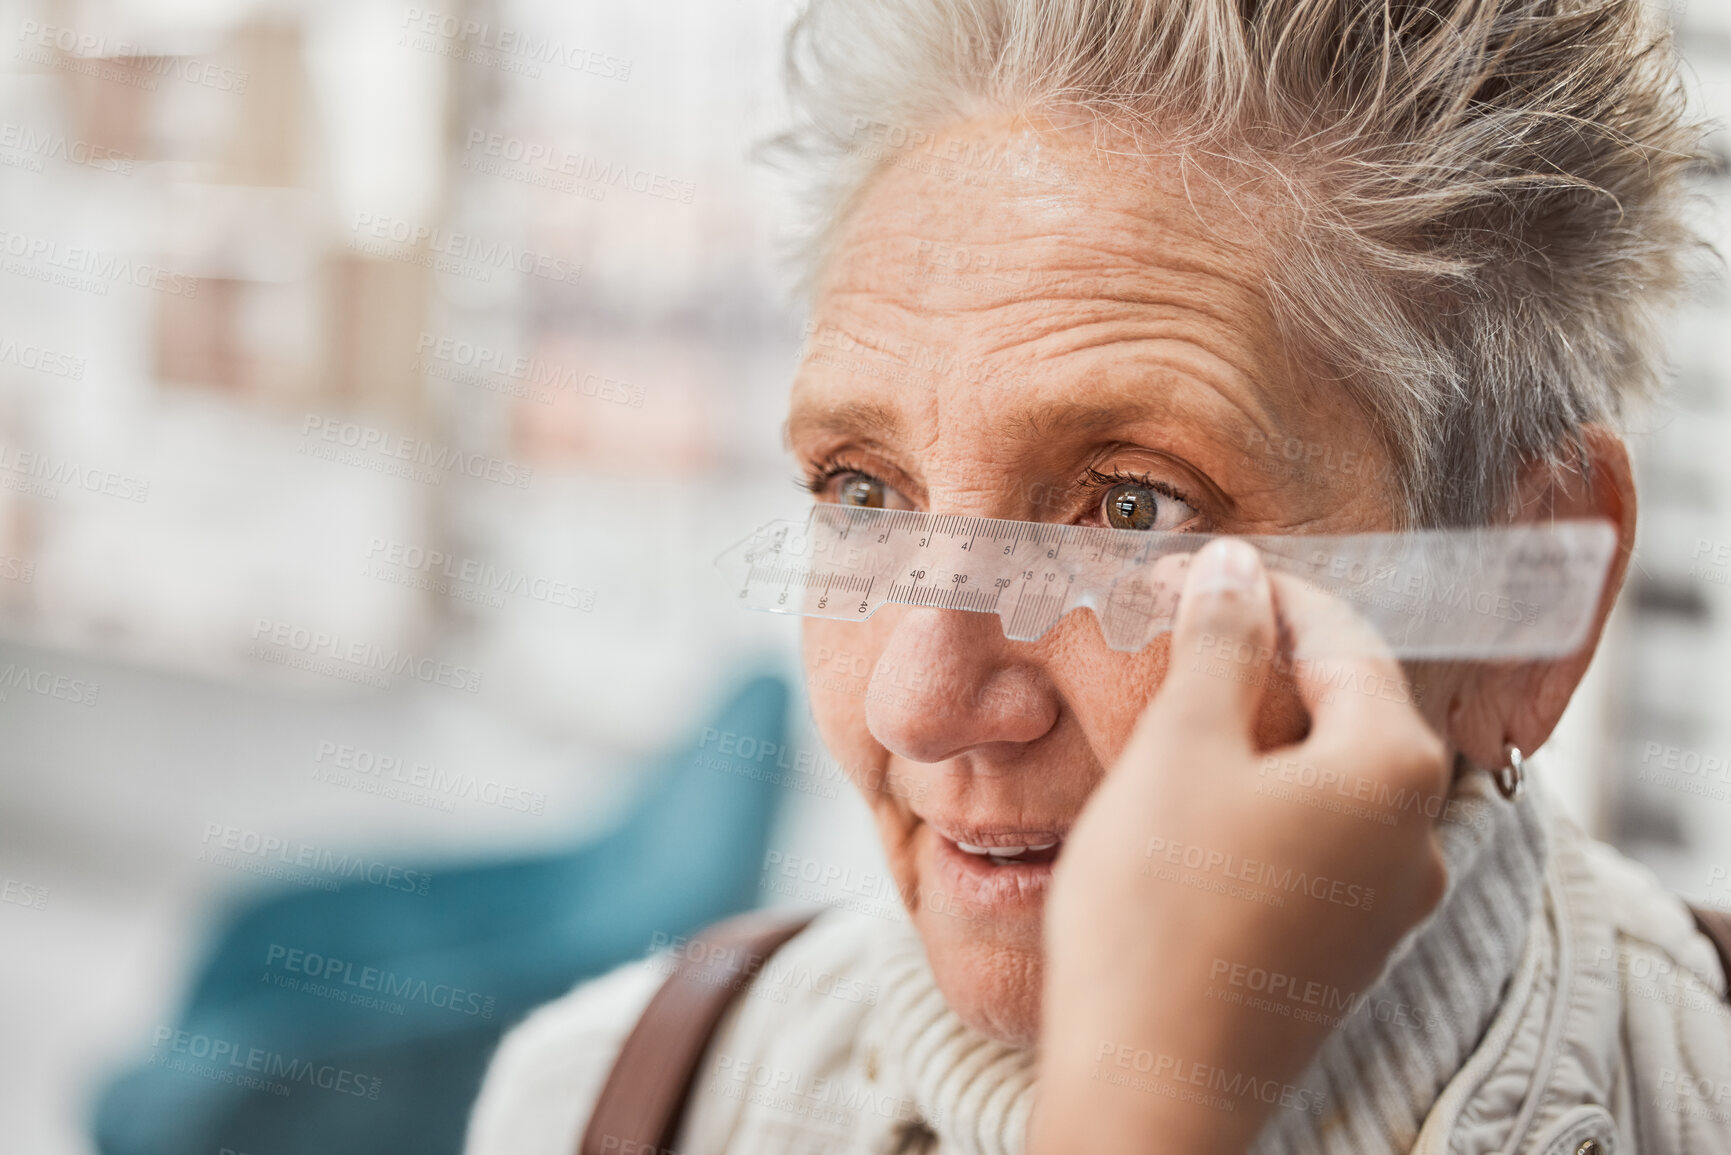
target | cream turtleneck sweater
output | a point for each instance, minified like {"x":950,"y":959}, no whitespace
{"x":844,"y":1043}
{"x":1373,"y":1081}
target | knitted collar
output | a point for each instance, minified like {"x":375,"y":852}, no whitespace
{"x":1374,"y":1079}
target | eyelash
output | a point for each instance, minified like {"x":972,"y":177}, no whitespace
{"x":827,"y":470}
{"x":1105,"y":481}
{"x":820,"y":475}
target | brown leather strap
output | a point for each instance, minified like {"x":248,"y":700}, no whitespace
{"x":1716,"y":925}
{"x":644,"y":1097}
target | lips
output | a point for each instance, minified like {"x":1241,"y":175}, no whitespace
{"x":1001,"y":868}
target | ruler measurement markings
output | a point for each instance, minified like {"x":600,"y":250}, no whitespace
{"x":785,"y":562}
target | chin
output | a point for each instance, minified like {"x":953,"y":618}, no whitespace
{"x":990,"y":978}
{"x":982,"y":923}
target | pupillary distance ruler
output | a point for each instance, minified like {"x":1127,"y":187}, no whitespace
{"x":1502,"y":592}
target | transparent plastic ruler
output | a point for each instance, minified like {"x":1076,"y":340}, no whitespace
{"x":1501,"y":592}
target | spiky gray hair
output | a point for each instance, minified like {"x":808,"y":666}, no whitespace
{"x":1491,"y":194}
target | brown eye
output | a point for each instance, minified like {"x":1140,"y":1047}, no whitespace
{"x":1130,"y":506}
{"x":858,"y":489}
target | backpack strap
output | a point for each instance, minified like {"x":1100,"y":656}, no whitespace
{"x":644,"y":1098}
{"x":1716,"y":925}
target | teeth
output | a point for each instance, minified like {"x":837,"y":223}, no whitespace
{"x":999,"y":851}
{"x":1005,"y":851}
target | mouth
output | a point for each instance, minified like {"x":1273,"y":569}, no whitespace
{"x":1001,"y":869}
{"x":1031,"y":854}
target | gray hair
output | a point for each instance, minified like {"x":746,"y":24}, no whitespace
{"x":1490,"y":194}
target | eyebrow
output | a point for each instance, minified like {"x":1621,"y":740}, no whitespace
{"x":868,"y":420}
{"x":871,"y":420}
{"x":849,"y":418}
{"x":1098,"y":419}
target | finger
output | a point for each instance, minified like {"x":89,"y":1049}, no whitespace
{"x":1222,"y":645}
{"x":1361,"y":701}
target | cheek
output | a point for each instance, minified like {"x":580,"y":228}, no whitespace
{"x":1109,"y":692}
{"x":1282,"y":720}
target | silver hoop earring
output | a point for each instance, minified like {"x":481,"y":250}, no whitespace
{"x":1511,"y":777}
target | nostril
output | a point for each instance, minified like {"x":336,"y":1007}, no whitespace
{"x":946,"y":682}
{"x":939,"y":723}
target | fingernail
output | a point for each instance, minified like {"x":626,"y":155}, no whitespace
{"x":1226,"y":565}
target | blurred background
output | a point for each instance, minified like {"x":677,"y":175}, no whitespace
{"x":377,"y":384}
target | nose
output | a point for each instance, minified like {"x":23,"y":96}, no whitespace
{"x":948,"y":681}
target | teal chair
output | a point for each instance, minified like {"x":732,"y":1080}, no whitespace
{"x":487,"y":943}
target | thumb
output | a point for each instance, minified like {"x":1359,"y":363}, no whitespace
{"x":1222,"y":646}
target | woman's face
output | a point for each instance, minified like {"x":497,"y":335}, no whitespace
{"x":1014,"y":326}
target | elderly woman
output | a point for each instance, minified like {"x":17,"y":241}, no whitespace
{"x":1104,"y":263}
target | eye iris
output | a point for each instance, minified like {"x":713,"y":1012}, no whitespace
{"x":1130,"y":506}
{"x":864,"y":491}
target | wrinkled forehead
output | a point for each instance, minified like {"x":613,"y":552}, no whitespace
{"x":1073,"y":203}
{"x":1050,"y":278}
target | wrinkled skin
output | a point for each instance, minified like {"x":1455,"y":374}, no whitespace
{"x":1017,"y":346}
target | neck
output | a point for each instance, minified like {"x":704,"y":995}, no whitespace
{"x":1374,"y":1079}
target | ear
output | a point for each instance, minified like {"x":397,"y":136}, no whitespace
{"x":1519,"y":703}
